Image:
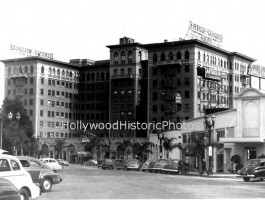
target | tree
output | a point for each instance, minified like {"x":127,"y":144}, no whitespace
{"x":169,"y":145}
{"x":59,"y":145}
{"x":31,"y":147}
{"x":94,"y":143}
{"x":44,"y":151}
{"x":140,"y":149}
{"x":15,"y":132}
{"x":123,"y":145}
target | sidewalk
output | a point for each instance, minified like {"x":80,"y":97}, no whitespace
{"x":215,"y":175}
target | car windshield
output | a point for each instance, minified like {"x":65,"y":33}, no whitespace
{"x":252,"y":163}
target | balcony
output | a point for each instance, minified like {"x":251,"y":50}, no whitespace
{"x":125,"y":76}
{"x":243,"y":73}
{"x":20,"y":75}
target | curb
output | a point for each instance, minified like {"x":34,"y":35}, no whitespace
{"x":213,"y":176}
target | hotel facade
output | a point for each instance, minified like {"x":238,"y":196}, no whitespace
{"x":146,"y":83}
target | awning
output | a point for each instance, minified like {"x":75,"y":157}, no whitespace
{"x":82,"y":154}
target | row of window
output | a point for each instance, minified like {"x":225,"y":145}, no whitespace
{"x":78,"y":135}
{"x":98,"y":106}
{"x":20,"y":70}
{"x":172,"y":71}
{"x":163,"y":95}
{"x":176,"y":108}
{"x":65,"y":115}
{"x":20,"y":92}
{"x":20,"y":81}
{"x":123,"y":57}
{"x":170,"y":56}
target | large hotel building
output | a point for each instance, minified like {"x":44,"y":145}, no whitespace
{"x":147,"y":83}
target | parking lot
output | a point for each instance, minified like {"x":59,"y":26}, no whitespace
{"x":89,"y":182}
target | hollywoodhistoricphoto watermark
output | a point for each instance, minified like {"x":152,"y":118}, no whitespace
{"x":119,"y":125}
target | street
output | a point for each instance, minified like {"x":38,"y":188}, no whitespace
{"x":89,"y":182}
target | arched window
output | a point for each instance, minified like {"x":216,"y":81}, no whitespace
{"x":92,"y":77}
{"x":187,"y":55}
{"x":123,"y":57}
{"x":42,"y":70}
{"x":207,"y":58}
{"x":204,"y":57}
{"x":88,"y":77}
{"x":154,"y":58}
{"x":116,"y":58}
{"x":50,"y":71}
{"x":221,"y":63}
{"x":53,"y":72}
{"x":115,"y":72}
{"x":98,"y":77}
{"x":215,"y":60}
{"x":129,"y":71}
{"x":67,"y":74}
{"x":102,"y":76}
{"x":71,"y":74}
{"x":170,"y":56}
{"x":26,"y":69}
{"x":199,"y":55}
{"x":139,"y":56}
{"x":63,"y":73}
{"x":163,"y":57}
{"x":130,"y":57}
{"x":58,"y":73}
{"x":31,"y":69}
{"x":20,"y":70}
{"x":9,"y":71}
{"x":178,"y":56}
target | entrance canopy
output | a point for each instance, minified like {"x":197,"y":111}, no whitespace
{"x":82,"y":153}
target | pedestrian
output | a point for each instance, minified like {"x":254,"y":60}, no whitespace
{"x":204,"y":168}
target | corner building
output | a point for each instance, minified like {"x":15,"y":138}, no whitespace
{"x":143,"y":83}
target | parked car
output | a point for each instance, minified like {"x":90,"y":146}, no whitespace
{"x":160,"y":164}
{"x":11,"y":169}
{"x":151,"y":165}
{"x":113,"y":164}
{"x":63,"y":162}
{"x":100,"y":162}
{"x":144,"y":167}
{"x":255,"y":168}
{"x":8,"y":190}
{"x":51,"y":163}
{"x":176,"y":167}
{"x":132,"y":164}
{"x":90,"y":162}
{"x":41,"y":174}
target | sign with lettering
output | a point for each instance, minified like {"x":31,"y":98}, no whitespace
{"x":212,"y":77}
{"x":29,"y":52}
{"x":206,"y":35}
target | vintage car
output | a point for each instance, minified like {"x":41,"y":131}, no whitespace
{"x":100,"y":162}
{"x":160,"y":164}
{"x":255,"y":168}
{"x":51,"y":162}
{"x":150,"y":167}
{"x":132,"y":164}
{"x":63,"y":162}
{"x":8,"y":191}
{"x":175,"y":167}
{"x":91,"y":162}
{"x":113,"y":164}
{"x":145,"y":166}
{"x":41,"y":174}
{"x":11,"y":169}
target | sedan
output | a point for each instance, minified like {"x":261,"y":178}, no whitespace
{"x":145,"y":166}
{"x":176,"y":167}
{"x":132,"y":164}
{"x":8,"y":190}
{"x":160,"y":164}
{"x":62,"y":162}
{"x":41,"y":174}
{"x":255,"y":168}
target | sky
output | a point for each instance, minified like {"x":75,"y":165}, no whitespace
{"x":83,"y":28}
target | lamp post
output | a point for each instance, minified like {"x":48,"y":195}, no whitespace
{"x":109,"y":148}
{"x":208,"y":127}
{"x":10,"y":116}
{"x":160,"y":137}
{"x":1,"y":132}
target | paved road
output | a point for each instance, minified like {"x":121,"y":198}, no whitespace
{"x":86,"y":182}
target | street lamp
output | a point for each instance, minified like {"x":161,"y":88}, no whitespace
{"x":160,"y":137}
{"x":208,"y":126}
{"x":10,"y":116}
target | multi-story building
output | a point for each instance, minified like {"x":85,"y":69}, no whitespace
{"x":143,"y":83}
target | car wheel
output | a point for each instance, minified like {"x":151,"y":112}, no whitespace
{"x":46,"y":185}
{"x":24,"y":195}
{"x":246,"y":179}
{"x":261,"y":179}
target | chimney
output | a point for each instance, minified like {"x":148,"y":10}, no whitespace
{"x":165,"y":40}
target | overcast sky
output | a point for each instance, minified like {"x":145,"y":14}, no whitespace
{"x":83,"y":29}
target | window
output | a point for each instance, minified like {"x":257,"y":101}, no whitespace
{"x":187,"y":55}
{"x":187,"y":81}
{"x":41,"y":113}
{"x":154,"y":71}
{"x":123,"y":57}
{"x":41,"y":102}
{"x":129,"y":71}
{"x":170,"y":56}
{"x":178,"y":56}
{"x":116,"y":58}
{"x":163,"y":57}
{"x":187,"y":68}
{"x":220,"y":134}
{"x":199,"y":56}
{"x":130,"y":57}
{"x":187,"y":94}
{"x":154,"y":108}
{"x":155,"y":58}
{"x":154,"y":83}
{"x":42,"y":91}
{"x":42,"y":81}
{"x":31,"y":80}
{"x":139,"y":56}
{"x":154,"y":96}
{"x":31,"y":91}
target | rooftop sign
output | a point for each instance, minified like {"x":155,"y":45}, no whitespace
{"x":198,"y":32}
{"x":29,"y":52}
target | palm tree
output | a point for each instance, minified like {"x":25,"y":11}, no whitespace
{"x":44,"y":150}
{"x":169,"y":145}
{"x":59,"y":145}
{"x":93,"y":144}
{"x":123,"y":145}
{"x":31,"y":147}
{"x":140,"y":149}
